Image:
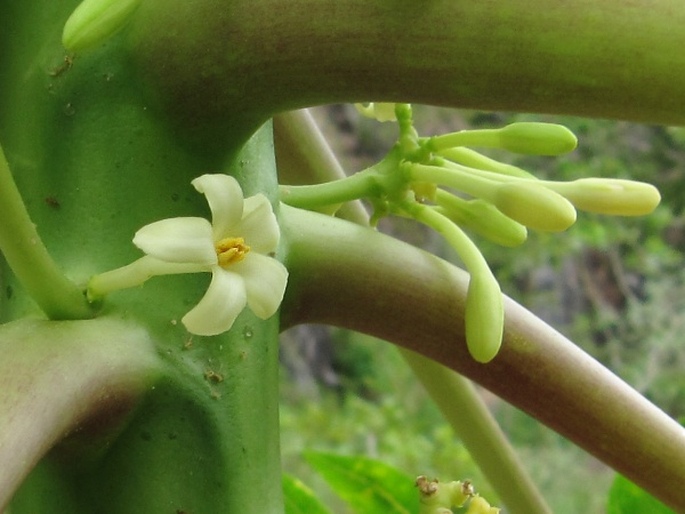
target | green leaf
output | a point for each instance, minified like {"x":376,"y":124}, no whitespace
{"x":300,"y":499}
{"x":627,"y":498}
{"x":369,"y":486}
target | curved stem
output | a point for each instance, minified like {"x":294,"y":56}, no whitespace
{"x":417,"y":301}
{"x":28,"y":258}
{"x":303,"y":156}
{"x":453,"y":234}
{"x":598,"y":58}
{"x":308,"y":154}
{"x":357,"y":186}
{"x":57,"y":377}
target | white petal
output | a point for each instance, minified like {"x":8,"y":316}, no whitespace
{"x":225,"y":199}
{"x":224,"y":300}
{"x":259,"y":226}
{"x":265,"y":280}
{"x":186,"y":240}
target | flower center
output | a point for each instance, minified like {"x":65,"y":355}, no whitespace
{"x":231,"y":250}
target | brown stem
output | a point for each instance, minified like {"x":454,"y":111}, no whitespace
{"x":345,"y":275}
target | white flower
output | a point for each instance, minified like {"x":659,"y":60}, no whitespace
{"x":237,"y":248}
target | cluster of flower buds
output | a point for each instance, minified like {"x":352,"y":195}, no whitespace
{"x":442,"y":182}
{"x":439,"y":498}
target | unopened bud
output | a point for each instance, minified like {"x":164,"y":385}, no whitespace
{"x":473,"y":159}
{"x":483,"y":218}
{"x":535,"y":206}
{"x":93,"y":21}
{"x":483,"y":316}
{"x":479,"y":505}
{"x":537,"y":138}
{"x":610,"y":196}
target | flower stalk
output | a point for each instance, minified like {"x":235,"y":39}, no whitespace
{"x":55,"y":294}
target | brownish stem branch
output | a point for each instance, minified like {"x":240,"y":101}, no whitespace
{"x":345,"y":275}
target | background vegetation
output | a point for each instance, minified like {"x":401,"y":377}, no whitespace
{"x":614,"y":286}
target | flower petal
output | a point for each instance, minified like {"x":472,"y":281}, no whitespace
{"x":216,"y":312}
{"x":259,"y":226}
{"x":225,"y":199}
{"x":265,"y":281}
{"x":186,"y":240}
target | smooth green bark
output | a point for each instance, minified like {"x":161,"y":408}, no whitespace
{"x":94,"y":163}
{"x":240,"y":61}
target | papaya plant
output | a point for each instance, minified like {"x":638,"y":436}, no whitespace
{"x":150,"y":258}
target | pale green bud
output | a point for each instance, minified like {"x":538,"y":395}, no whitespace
{"x":537,"y":138}
{"x":610,"y":196}
{"x":93,"y":21}
{"x":483,"y":218}
{"x":484,"y":316}
{"x":473,"y":159}
{"x":478,"y":505}
{"x":534,"y":206}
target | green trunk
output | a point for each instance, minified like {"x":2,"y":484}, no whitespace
{"x":94,"y":163}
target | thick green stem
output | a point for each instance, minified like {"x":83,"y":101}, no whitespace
{"x":28,"y":258}
{"x":417,"y":301}
{"x":242,"y":60}
{"x":58,"y":378}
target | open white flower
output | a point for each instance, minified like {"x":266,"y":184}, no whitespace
{"x":236,"y":247}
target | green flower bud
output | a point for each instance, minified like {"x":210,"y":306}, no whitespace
{"x":479,"y":505}
{"x":473,"y":159}
{"x":534,"y":206}
{"x":610,"y":196}
{"x":484,"y":316}
{"x":525,"y":137}
{"x":537,"y":138}
{"x":93,"y":21}
{"x":483,"y":218}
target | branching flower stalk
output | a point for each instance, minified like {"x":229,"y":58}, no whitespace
{"x":495,"y":200}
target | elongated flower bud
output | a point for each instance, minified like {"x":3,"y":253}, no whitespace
{"x":93,"y":21}
{"x":483,"y":218}
{"x":473,"y":159}
{"x":484,"y":316}
{"x":535,"y":206}
{"x":537,"y":138}
{"x":615,"y":197}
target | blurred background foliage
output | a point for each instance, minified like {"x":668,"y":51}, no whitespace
{"x":615,"y":286}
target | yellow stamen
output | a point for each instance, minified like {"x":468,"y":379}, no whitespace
{"x":231,"y":250}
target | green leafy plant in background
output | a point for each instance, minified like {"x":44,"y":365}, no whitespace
{"x":161,"y":395}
